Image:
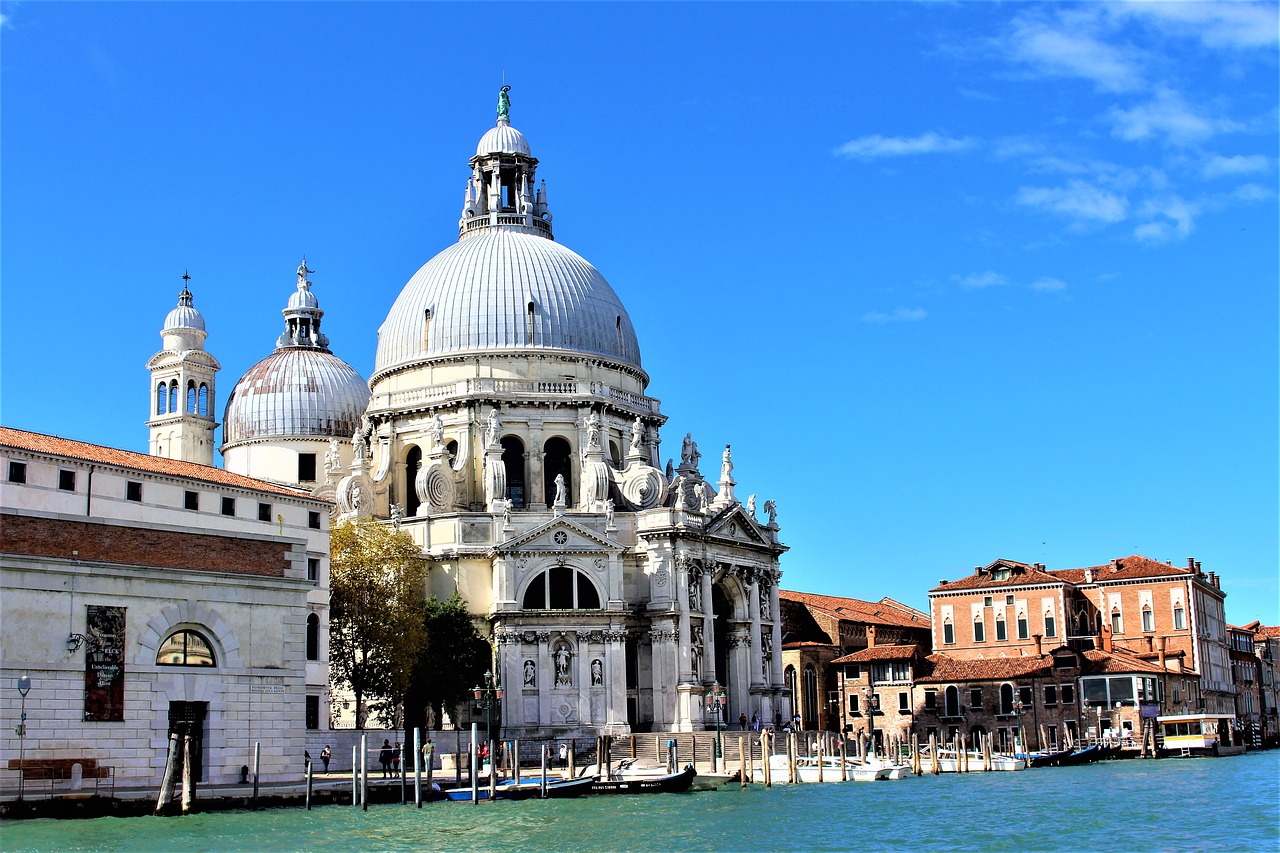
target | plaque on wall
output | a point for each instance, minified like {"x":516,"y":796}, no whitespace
{"x":104,"y":664}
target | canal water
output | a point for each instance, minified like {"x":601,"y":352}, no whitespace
{"x":1186,"y":804}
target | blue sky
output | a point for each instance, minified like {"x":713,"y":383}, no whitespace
{"x":957,"y":281}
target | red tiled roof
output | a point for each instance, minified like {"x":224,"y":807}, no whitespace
{"x":40,"y":443}
{"x":1114,"y":662}
{"x":881,"y":653}
{"x":856,"y":610}
{"x":948,"y":669}
{"x":1126,"y":568}
{"x":807,"y":644}
{"x":1020,"y":574}
{"x":1271,"y":632}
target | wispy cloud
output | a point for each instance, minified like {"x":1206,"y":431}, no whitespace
{"x":1169,"y":116}
{"x":1048,"y":285}
{"x":871,"y":147}
{"x":898,"y":315}
{"x":1079,"y":200}
{"x":1071,"y":47}
{"x":1218,"y":166}
{"x":1220,"y":25}
{"x":978,"y":280}
{"x":1173,"y":219}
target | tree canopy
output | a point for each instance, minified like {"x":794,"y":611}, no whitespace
{"x":453,"y":662}
{"x":377,"y":628}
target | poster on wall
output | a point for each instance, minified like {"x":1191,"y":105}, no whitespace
{"x":104,"y":664}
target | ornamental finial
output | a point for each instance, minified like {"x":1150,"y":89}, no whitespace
{"x":504,"y":104}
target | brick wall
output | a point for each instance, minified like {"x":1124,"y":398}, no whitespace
{"x":140,"y":546}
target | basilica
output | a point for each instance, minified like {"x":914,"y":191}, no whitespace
{"x":507,"y":428}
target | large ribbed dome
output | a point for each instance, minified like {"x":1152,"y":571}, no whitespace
{"x":475,"y":296}
{"x":294,"y":392}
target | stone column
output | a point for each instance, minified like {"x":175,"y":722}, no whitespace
{"x":680,"y":580}
{"x":664,"y":639}
{"x":709,"y":623}
{"x":615,"y":680}
{"x":753,"y":612}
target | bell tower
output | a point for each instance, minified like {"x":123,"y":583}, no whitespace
{"x":181,"y":393}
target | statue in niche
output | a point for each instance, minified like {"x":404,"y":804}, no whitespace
{"x":506,"y":513}
{"x":332,"y":457}
{"x":593,"y":431}
{"x":397,"y":513}
{"x":695,"y":594}
{"x":563,"y":658}
{"x":530,"y":674}
{"x":597,"y":673}
{"x":772,"y":509}
{"x":495,"y":427}
{"x":559,"y":499}
{"x":695,"y":653}
{"x":765,"y":606}
{"x":637,"y":435}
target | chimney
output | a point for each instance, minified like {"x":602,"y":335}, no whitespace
{"x":1191,"y":564}
{"x":871,"y":636}
{"x":977,"y":570}
{"x":1199,"y":571}
{"x":1039,"y":648}
{"x":1106,"y":637}
{"x":1115,"y":564}
{"x":1088,"y":575}
{"x":942,"y":582}
{"x":1161,"y":646}
{"x":1150,"y":644}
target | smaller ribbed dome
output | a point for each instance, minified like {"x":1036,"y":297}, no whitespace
{"x":303,"y":299}
{"x":503,"y":139}
{"x":185,"y":316}
{"x":296,"y":392}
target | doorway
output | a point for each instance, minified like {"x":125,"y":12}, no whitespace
{"x":187,"y":718}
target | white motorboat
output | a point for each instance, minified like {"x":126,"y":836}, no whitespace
{"x":809,"y":769}
{"x":949,"y":762}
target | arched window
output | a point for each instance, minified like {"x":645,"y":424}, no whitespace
{"x":561,"y":588}
{"x":789,"y":679}
{"x":556,"y":459}
{"x":173,"y":395}
{"x":1002,"y":633}
{"x":161,"y":396}
{"x":1006,"y":698}
{"x":1050,"y":624}
{"x":1117,"y":623}
{"x":513,"y":462}
{"x":191,"y":396}
{"x":951,"y":702}
{"x":412,"y":462}
{"x":1148,"y":620}
{"x":948,"y":632}
{"x":979,"y":630}
{"x":313,"y":637}
{"x":811,"y":698}
{"x":1179,"y":617}
{"x":1024,"y":628}
{"x":185,"y":648}
{"x":203,"y":401}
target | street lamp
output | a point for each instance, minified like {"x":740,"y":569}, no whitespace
{"x":715,"y":703}
{"x":490,"y":694}
{"x":1019,"y":734}
{"x":869,"y":700}
{"x":24,"y":687}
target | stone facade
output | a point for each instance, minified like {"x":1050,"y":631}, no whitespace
{"x":167,"y":552}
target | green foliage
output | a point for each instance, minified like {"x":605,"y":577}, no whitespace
{"x":453,"y":662}
{"x":377,"y":579}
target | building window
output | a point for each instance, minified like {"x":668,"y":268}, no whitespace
{"x":853,"y":704}
{"x":313,"y":637}
{"x":133,"y":491}
{"x":561,"y":588}
{"x":1050,"y":624}
{"x":904,"y":703}
{"x":1148,"y":620}
{"x":975,"y":697}
{"x":67,"y":481}
{"x":162,"y":393}
{"x":1006,"y":699}
{"x":306,"y":467}
{"x":228,"y":506}
{"x":185,"y":648}
{"x":191,"y":500}
{"x":948,"y":633}
{"x":313,"y":712}
{"x":191,"y":396}
{"x":1068,"y":694}
{"x":513,"y":462}
{"x":173,"y":396}
{"x":264,"y":512}
{"x":1023,"y":628}
{"x":930,"y":700}
{"x":1117,"y":624}
{"x":1001,"y":632}
{"x":979,"y":631}
{"x":204,"y":399}
{"x":986,"y":601}
{"x":1179,"y":618}
{"x":17,"y":472}
{"x":1008,"y":600}
{"x":313,"y":520}
{"x":1025,"y":696}
{"x":1053,"y":737}
{"x":1050,"y":696}
{"x":313,"y":568}
{"x":810,"y":706}
{"x":853,"y":670}
{"x":951,"y":702}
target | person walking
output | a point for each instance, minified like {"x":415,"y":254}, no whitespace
{"x":755,"y":722}
{"x":395,"y":760}
{"x":326,"y":755}
{"x":384,"y":758}
{"x":742,"y":721}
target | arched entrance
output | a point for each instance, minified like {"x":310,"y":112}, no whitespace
{"x":412,"y":461}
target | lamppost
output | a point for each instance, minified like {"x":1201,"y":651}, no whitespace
{"x":24,"y":686}
{"x":715,"y":703}
{"x":869,"y":700}
{"x":1019,"y":735}
{"x":490,"y":694}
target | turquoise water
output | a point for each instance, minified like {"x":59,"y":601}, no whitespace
{"x":1190,"y":804}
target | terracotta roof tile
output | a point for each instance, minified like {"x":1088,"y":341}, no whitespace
{"x":856,"y":610}
{"x":39,"y":443}
{"x":876,"y":653}
{"x":1126,"y":568}
{"x":1100,"y":662}
{"x":1020,"y":574}
{"x":1268,"y":631}
{"x":949,"y":669}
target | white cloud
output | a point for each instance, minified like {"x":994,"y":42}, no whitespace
{"x":1229,"y":25}
{"x":1048,"y":285}
{"x":976,"y":280}
{"x":869,"y":147}
{"x":1070,"y":47}
{"x":898,"y":315}
{"x":1172,"y":218}
{"x":1251,"y":192}
{"x":1167,"y":115}
{"x":1217,"y":166}
{"x":1078,"y":200}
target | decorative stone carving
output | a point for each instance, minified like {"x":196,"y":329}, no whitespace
{"x":637,"y":435}
{"x":506,"y":638}
{"x":396,"y":515}
{"x":660,"y":577}
{"x":597,"y":673}
{"x":593,"y":431}
{"x":435,"y":488}
{"x":661,"y":636}
{"x":696,"y":651}
{"x":613,"y":636}
{"x":333,"y":458}
{"x":751,"y":507}
{"x":494,"y":431}
{"x":563,"y":658}
{"x":772,"y":509}
{"x":530,"y":673}
{"x":642,"y":486}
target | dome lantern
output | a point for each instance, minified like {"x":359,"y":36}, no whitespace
{"x":501,"y":191}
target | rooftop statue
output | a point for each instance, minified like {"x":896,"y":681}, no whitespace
{"x":303,"y":272}
{"x":504,"y":103}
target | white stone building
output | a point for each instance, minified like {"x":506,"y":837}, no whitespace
{"x":510,"y":433}
{"x":143,"y":593}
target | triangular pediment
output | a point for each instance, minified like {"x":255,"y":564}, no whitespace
{"x":559,"y":535}
{"x":736,"y":523}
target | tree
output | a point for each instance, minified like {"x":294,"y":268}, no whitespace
{"x":377,"y":580}
{"x":454,"y":660}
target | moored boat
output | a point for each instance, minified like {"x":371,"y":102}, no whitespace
{"x":528,"y":789}
{"x":638,"y":776}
